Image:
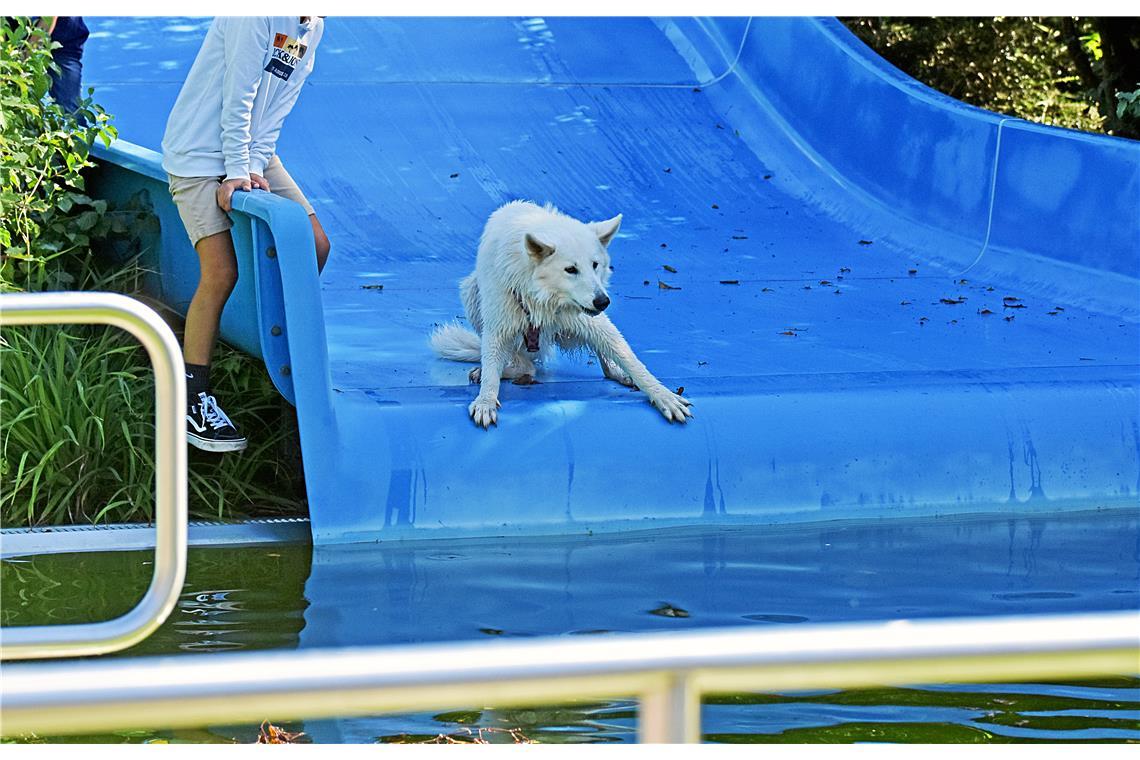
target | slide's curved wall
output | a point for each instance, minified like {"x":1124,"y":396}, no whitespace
{"x":993,"y":188}
{"x":880,"y":300}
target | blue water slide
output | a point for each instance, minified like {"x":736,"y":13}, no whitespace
{"x":881,"y":301}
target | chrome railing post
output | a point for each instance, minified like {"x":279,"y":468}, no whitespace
{"x":670,"y":714}
{"x":27,"y":642}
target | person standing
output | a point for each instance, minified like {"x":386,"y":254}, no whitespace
{"x":221,"y":138}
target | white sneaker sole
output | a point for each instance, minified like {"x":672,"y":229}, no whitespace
{"x":206,"y":444}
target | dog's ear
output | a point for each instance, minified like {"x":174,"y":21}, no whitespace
{"x":607,"y":229}
{"x":537,"y":249}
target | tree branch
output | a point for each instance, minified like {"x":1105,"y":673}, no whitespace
{"x":1121,"y":56}
{"x":1077,"y":53}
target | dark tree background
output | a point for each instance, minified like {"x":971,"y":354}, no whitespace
{"x":1077,"y":72}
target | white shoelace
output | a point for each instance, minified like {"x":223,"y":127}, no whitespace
{"x":213,"y":413}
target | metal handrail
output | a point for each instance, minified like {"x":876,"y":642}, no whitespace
{"x":668,"y":672}
{"x":28,"y":642}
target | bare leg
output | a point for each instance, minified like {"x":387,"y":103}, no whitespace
{"x":322,"y":242}
{"x":217,"y":279}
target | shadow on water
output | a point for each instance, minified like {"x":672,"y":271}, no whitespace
{"x":294,"y":596}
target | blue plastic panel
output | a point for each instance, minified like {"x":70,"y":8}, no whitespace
{"x":1052,"y":187}
{"x":130,"y":175}
{"x":861,"y":365}
{"x":878,"y":133}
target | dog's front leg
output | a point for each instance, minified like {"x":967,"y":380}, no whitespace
{"x":612,"y":371}
{"x":493,"y":359}
{"x":605,"y":339}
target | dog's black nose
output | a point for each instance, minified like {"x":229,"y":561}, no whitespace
{"x":601,"y":301}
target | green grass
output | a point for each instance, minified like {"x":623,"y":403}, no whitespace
{"x":77,"y":427}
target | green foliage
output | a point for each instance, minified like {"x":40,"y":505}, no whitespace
{"x":77,"y":426}
{"x":77,"y":433}
{"x":77,"y":429}
{"x":1128,"y":106}
{"x":76,"y":403}
{"x":43,"y":150}
{"x":1025,"y":67}
{"x":1090,"y":43}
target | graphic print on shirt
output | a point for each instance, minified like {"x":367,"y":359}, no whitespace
{"x":287,"y":53}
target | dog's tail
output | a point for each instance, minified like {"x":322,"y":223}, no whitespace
{"x":456,"y":342}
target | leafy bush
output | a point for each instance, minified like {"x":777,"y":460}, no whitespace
{"x":76,"y":403}
{"x":43,"y":149}
{"x":1128,"y":105}
{"x":1049,"y":70}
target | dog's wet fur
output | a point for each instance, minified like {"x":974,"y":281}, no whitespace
{"x":538,"y":269}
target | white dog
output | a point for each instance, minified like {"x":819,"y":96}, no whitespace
{"x":540,"y":280}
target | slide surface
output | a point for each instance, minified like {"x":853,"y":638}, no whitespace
{"x":880,"y":301}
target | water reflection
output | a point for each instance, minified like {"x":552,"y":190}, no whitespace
{"x":298,"y":597}
{"x":239,"y":598}
{"x":427,"y":591}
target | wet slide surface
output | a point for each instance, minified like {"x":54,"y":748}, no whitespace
{"x":881,"y":302}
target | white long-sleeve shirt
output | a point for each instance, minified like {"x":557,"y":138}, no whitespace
{"x":241,"y":87}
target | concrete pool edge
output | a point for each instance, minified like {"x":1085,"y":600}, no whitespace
{"x":77,"y":539}
{"x":67,"y":539}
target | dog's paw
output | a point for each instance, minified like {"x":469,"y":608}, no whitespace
{"x":475,"y":375}
{"x":674,"y":407}
{"x":484,"y":411}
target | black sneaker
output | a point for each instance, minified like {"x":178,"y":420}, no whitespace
{"x":208,"y":427}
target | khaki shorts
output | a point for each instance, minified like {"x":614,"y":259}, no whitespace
{"x":196,"y":198}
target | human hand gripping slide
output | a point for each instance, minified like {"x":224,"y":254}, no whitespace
{"x":227,"y":189}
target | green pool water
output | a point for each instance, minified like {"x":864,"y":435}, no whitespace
{"x":295,"y":596}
